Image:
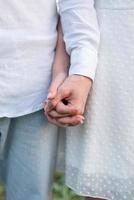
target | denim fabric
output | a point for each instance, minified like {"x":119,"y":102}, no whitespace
{"x":28,"y":150}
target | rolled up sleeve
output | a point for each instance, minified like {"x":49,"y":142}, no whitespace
{"x":81,"y":35}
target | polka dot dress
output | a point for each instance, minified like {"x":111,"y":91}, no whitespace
{"x":100,"y":153}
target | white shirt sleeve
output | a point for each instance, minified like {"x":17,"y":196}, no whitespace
{"x":81,"y":35}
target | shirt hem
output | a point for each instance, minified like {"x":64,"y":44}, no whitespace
{"x":26,"y":112}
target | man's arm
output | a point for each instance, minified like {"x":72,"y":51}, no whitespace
{"x":81,"y":35}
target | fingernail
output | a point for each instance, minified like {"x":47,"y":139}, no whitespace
{"x":83,"y":118}
{"x":81,"y":121}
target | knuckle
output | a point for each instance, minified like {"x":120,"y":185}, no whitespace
{"x":80,"y":111}
{"x":80,"y":108}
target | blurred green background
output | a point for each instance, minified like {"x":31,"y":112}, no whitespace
{"x":60,"y":191}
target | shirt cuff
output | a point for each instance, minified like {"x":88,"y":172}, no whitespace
{"x":83,"y":62}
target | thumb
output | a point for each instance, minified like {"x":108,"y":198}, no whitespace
{"x":62,"y":93}
{"x":56,"y":82}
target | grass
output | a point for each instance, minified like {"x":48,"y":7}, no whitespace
{"x":2,"y":191}
{"x":60,"y":191}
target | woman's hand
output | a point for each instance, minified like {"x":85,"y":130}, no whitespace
{"x":68,"y":107}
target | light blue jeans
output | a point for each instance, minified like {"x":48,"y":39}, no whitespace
{"x":28,"y":150}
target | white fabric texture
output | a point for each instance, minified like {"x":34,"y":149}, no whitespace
{"x":27,"y":42}
{"x":100,"y":153}
{"x":27,"y":45}
{"x":81,"y":35}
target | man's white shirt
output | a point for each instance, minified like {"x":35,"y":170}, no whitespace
{"x":28,"y":35}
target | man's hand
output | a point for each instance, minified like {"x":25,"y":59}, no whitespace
{"x":67,"y":108}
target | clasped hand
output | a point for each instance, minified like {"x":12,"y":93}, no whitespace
{"x":66,"y":100}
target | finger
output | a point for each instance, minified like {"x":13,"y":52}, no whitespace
{"x":55,"y":114}
{"x":45,"y":105}
{"x":50,"y":105}
{"x":62,"y":93}
{"x":66,"y":109}
{"x":55,"y":122}
{"x":50,"y":119}
{"x":65,"y":122}
{"x":71,"y":121}
{"x":57,"y":81}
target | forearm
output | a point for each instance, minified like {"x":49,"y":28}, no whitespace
{"x":62,"y":60}
{"x":81,"y":34}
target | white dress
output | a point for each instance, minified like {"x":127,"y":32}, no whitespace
{"x":100,"y":153}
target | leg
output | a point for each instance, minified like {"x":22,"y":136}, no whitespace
{"x":32,"y":146}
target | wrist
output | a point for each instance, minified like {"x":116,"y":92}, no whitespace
{"x":81,"y":78}
{"x":60,"y":75}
